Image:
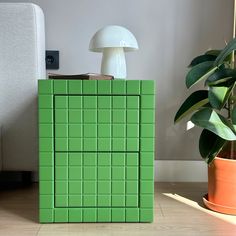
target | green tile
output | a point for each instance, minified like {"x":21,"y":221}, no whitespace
{"x":75,"y":187}
{"x":147,"y":144}
{"x":45,"y":101}
{"x":104,"y":159}
{"x":104,"y":86}
{"x":61,"y":201}
{"x":146,"y":201}
{"x":104,"y":144}
{"x":46,"y":173}
{"x":75,"y":130}
{"x":46,"y":160}
{"x":46,"y":215}
{"x":89,"y":102}
{"x":61,"y":102}
{"x":61,"y":144}
{"x":147,"y":173}
{"x":104,"y":172}
{"x":75,"y":116}
{"x":132,"y":215}
{"x":131,"y":187}
{"x":104,"y":130}
{"x":146,"y":215}
{"x":75,"y":144}
{"x":118,"y":130}
{"x":46,"y":116}
{"x":75,"y":102}
{"x":148,"y":101}
{"x":89,"y":159}
{"x":132,"y":102}
{"x":89,"y":215}
{"x":131,"y":200}
{"x":75,"y":215}
{"x":61,"y":187}
{"x":132,"y":116}
{"x":61,"y":116}
{"x":147,"y":116}
{"x":132,"y":173}
{"x":132,"y":159}
{"x":118,"y":200}
{"x":46,"y":201}
{"x":45,"y":86}
{"x":148,"y":87}
{"x":132,"y":144}
{"x":90,"y":130}
{"x":118,"y":187}
{"x":90,"y":116}
{"x":61,"y":173}
{"x":61,"y":130}
{"x":118,"y":159}
{"x":104,"y":200}
{"x":89,"y":200}
{"x":60,"y":87}
{"x":89,"y":86}
{"x":61,"y":159}
{"x":104,"y":116}
{"x":147,"y":158}
{"x":89,"y":187}
{"x":118,"y":172}
{"x":132,"y":131}
{"x":75,"y":86}
{"x":104,"y":102}
{"x":146,"y":187}
{"x":104,"y":187}
{"x":119,"y":116}
{"x":89,"y":144}
{"x":147,"y":130}
{"x":61,"y":215}
{"x":118,"y":86}
{"x":46,"y":130}
{"x":75,"y":201}
{"x":118,"y":102}
{"x":118,"y":144}
{"x":75,"y":159}
{"x":89,"y":173}
{"x":133,"y":86}
{"x":118,"y":215}
{"x":104,"y":215}
{"x":75,"y":172}
{"x":46,"y":187}
{"x":46,"y":144}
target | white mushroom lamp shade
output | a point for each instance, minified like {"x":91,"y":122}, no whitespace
{"x":113,"y":41}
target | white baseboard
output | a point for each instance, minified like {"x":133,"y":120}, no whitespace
{"x":180,"y":171}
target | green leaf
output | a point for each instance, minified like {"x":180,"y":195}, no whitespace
{"x":221,"y":76}
{"x":199,"y":72}
{"x":213,"y":52}
{"x":231,"y":46}
{"x":210,"y":145}
{"x":233,"y":117}
{"x":192,"y":103}
{"x":218,"y":96}
{"x":208,"y":119}
{"x":202,"y":58}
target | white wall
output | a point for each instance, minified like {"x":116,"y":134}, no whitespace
{"x":170,"y":33}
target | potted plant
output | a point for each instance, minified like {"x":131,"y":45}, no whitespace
{"x":214,"y":110}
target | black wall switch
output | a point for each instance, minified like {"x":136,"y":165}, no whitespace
{"x":52,"y":59}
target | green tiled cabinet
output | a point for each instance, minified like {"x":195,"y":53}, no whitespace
{"x":96,"y":150}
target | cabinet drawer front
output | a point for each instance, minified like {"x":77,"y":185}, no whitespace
{"x":96,"y":179}
{"x":97,"y":123}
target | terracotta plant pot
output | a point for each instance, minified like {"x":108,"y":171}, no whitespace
{"x":222,"y":186}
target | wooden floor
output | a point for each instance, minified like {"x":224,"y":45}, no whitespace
{"x":178,"y":211}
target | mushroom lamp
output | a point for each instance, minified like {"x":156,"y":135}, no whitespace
{"x":113,"y":41}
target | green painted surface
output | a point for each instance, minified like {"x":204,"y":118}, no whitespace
{"x":96,"y":150}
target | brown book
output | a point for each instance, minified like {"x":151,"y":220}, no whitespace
{"x":88,"y":76}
